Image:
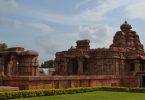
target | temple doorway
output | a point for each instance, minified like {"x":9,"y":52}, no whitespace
{"x":143,"y":81}
{"x":73,"y":67}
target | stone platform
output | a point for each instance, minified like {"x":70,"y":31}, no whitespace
{"x":49,"y":82}
{"x":8,"y":88}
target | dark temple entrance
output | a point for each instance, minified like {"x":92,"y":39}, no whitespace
{"x":143,"y":81}
{"x":73,"y":67}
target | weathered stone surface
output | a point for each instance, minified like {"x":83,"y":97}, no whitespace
{"x":126,"y":38}
{"x":45,"y":82}
{"x":8,"y":88}
{"x":16,"y":61}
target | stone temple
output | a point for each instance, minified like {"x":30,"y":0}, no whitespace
{"x":122,"y":64}
{"x":124,"y":58}
{"x":18,"y":62}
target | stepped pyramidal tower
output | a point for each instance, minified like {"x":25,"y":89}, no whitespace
{"x":126,"y":38}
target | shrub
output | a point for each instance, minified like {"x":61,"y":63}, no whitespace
{"x":140,"y":90}
{"x":2,"y":96}
{"x":48,"y":92}
{"x":117,"y":89}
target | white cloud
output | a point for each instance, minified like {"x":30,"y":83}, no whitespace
{"x":99,"y":12}
{"x":100,"y":35}
{"x":49,"y":45}
{"x":10,"y":22}
{"x":49,"y":17}
{"x":136,"y":10}
{"x":88,"y":16}
{"x":36,"y":26}
{"x":83,"y":2}
{"x":40,"y":26}
{"x":4,"y":21}
{"x":133,"y":9}
{"x":8,"y":5}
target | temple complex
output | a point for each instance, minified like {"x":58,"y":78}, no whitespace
{"x":122,"y":64}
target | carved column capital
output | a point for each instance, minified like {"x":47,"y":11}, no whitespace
{"x":136,"y":61}
{"x":80,"y":59}
{"x":66,"y":60}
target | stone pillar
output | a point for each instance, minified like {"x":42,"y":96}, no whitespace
{"x":35,"y":61}
{"x":66,"y":66}
{"x":1,"y":67}
{"x":137,"y":65}
{"x":9,"y":68}
{"x":122,"y":67}
{"x":80,"y":65}
{"x":37,"y":72}
{"x":117,"y":67}
{"x":56,"y":65}
{"x":139,"y":81}
{"x":14,"y":65}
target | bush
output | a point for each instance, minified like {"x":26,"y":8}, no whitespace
{"x":3,"y":96}
{"x":139,"y":90}
{"x":117,"y":89}
{"x":48,"y":92}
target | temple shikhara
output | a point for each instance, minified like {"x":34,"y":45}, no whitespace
{"x":122,"y":64}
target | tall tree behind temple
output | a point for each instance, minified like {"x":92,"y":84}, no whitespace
{"x":47,"y":64}
{"x":3,"y":46}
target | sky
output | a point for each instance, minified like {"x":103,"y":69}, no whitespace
{"x":49,"y":26}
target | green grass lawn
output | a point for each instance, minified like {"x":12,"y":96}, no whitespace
{"x":98,"y":95}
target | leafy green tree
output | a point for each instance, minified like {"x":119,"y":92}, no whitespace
{"x":3,"y":46}
{"x":48,"y":64}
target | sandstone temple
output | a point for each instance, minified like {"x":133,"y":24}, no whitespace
{"x":18,"y":62}
{"x":122,"y":64}
{"x":124,"y":58}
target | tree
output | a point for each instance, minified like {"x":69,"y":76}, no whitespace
{"x":48,"y":64}
{"x":3,"y":46}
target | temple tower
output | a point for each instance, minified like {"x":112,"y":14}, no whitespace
{"x":126,"y":38}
